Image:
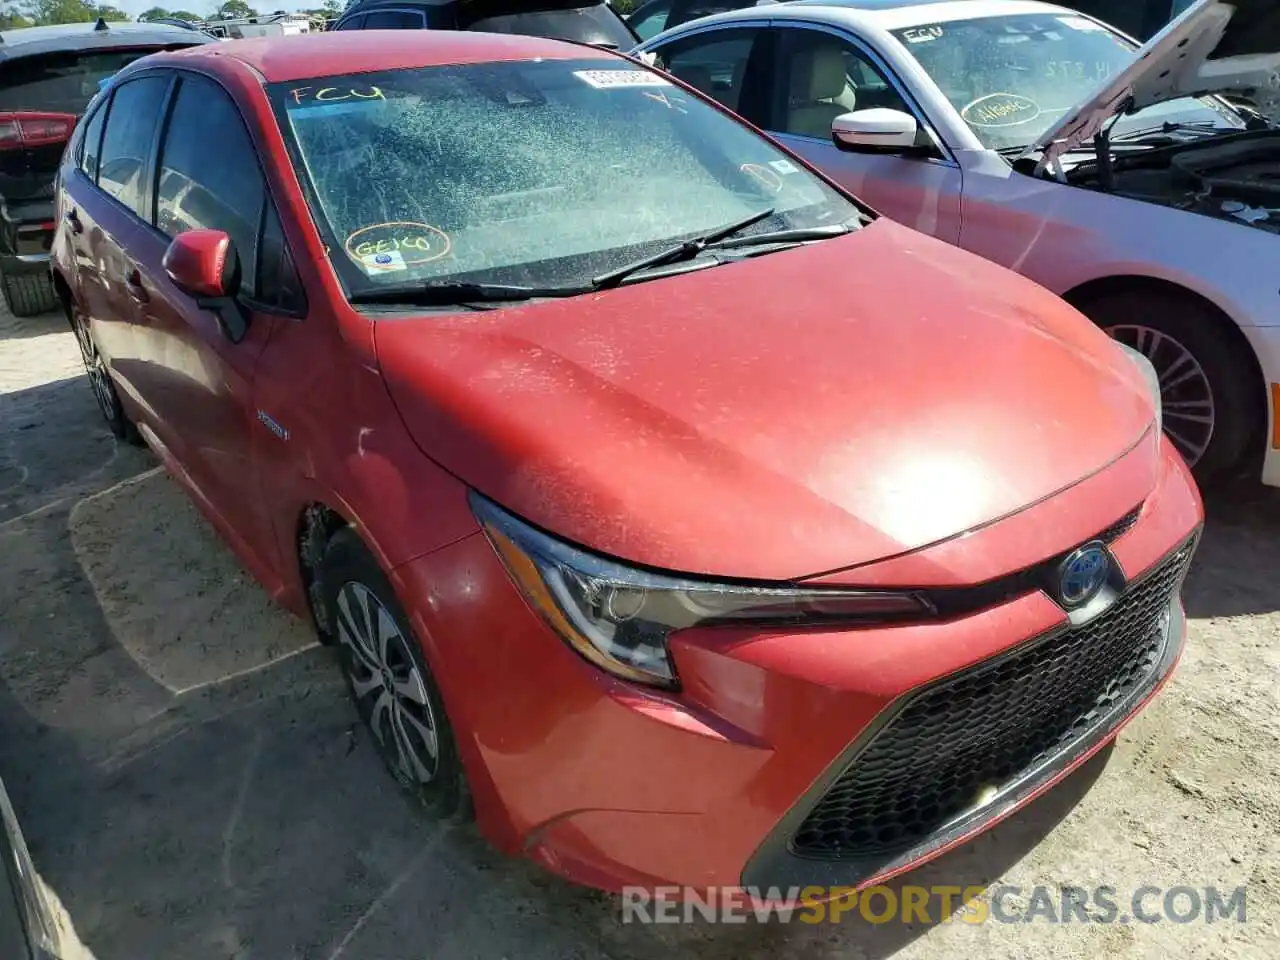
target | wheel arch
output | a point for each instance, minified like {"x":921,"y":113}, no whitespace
{"x":1103,"y":287}
{"x":314,"y":526}
{"x":61,"y":287}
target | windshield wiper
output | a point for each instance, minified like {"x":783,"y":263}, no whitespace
{"x":450,"y":293}
{"x":1166,"y":128}
{"x":683,"y":251}
{"x":795,"y":235}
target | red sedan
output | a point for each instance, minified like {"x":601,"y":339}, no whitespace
{"x":667,"y":507}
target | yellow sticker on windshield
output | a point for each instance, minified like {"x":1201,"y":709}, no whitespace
{"x":1000,"y":110}
{"x":764,"y":176}
{"x":411,"y":241}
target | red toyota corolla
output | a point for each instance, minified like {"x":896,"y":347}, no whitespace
{"x":700,"y":525}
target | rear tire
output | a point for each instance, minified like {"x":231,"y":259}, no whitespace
{"x":1209,"y":389}
{"x":27,"y":294}
{"x":389,"y":681}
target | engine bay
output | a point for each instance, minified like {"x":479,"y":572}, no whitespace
{"x":1234,"y":178}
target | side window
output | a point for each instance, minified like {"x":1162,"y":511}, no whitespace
{"x":91,"y":143}
{"x":351,"y":23}
{"x":822,"y":76}
{"x":277,"y":282}
{"x":209,"y":173}
{"x":394,"y":20}
{"x":714,"y":62}
{"x":651,"y":19}
{"x":126,"y":141}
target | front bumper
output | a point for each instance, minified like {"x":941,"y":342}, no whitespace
{"x":614,"y":785}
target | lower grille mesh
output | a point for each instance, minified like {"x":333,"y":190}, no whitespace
{"x":990,"y":724}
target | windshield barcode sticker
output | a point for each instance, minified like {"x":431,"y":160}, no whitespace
{"x":376,"y":263}
{"x":604,"y":79}
{"x":1081,"y":24}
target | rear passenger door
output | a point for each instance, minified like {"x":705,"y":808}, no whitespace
{"x":200,"y":382}
{"x":104,"y":208}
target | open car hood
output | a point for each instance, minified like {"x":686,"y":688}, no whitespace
{"x":1215,"y":46}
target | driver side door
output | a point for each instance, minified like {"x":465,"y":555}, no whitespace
{"x":817,"y":74}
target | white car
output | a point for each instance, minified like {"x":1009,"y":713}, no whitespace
{"x":1046,"y":141}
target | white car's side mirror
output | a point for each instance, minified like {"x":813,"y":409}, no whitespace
{"x":878,"y":130}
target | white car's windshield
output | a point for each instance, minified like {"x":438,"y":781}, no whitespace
{"x":528,"y":172}
{"x":1012,"y":77}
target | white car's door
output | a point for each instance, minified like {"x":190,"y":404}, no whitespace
{"x":792,"y":79}
{"x":818,"y":74}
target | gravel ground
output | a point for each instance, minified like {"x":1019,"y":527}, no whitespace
{"x":193,"y":785}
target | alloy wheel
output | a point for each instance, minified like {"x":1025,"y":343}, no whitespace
{"x":96,"y":370}
{"x":388,"y":685}
{"x":1186,"y":394}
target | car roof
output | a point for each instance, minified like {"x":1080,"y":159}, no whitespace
{"x":29,"y":41}
{"x":285,"y":59}
{"x":882,"y":14}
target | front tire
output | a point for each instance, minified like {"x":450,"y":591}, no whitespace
{"x":388,"y":678}
{"x":1208,"y":386}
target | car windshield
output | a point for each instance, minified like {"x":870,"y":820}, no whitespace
{"x":1013,"y":77}
{"x":539,"y":173}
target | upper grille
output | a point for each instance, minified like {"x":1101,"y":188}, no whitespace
{"x":962,"y":601}
{"x":989,"y":724}
{"x":1121,"y":526}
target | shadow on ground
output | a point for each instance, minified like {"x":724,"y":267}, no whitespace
{"x":23,"y":328}
{"x":254,"y":821}
{"x":1234,"y":573}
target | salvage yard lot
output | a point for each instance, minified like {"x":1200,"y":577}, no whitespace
{"x":194,"y":784}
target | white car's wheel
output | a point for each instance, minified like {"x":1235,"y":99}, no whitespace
{"x":1208,"y":385}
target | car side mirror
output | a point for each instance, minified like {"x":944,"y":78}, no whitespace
{"x":205,"y":266}
{"x":878,"y":130}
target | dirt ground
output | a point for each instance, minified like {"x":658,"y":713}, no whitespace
{"x":193,"y":785}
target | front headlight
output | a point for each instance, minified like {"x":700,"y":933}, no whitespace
{"x":619,"y":617}
{"x":1140,"y":361}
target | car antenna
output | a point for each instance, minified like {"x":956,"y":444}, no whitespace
{"x":100,"y":25}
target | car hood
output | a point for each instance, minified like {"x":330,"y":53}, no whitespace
{"x":798,"y":413}
{"x":1215,"y":46}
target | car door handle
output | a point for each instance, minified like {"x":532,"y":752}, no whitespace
{"x":133,"y":282}
{"x":73,"y":221}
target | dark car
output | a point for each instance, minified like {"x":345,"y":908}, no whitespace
{"x":581,"y":20}
{"x":48,"y":75}
{"x":651,"y":18}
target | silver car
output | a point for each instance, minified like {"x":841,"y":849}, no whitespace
{"x":1121,"y":178}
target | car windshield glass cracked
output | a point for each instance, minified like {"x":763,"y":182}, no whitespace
{"x":537,"y":173}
